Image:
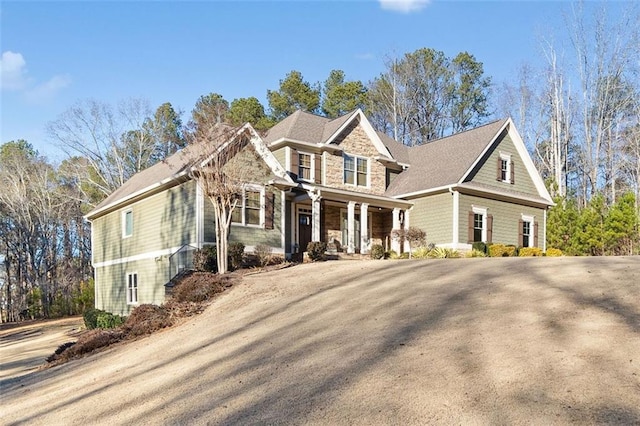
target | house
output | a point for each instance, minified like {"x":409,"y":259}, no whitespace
{"x":319,"y":179}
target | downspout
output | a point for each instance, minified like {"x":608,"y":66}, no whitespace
{"x":544,"y":221}
{"x":455,"y":237}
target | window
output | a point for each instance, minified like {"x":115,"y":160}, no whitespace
{"x":132,"y":288}
{"x":480,"y":225}
{"x":477,"y":227}
{"x":304,"y":166}
{"x":505,"y":169}
{"x":355,"y":170}
{"x":127,"y":223}
{"x":527,"y":232}
{"x":249,"y":209}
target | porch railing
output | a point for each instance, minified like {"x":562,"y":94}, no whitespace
{"x":181,"y":261}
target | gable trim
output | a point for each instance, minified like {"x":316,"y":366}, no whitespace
{"x":368,"y":129}
{"x":522,"y":153}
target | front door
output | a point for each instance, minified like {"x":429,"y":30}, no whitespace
{"x":304,"y":231}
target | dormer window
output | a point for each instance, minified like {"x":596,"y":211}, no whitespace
{"x":355,"y":170}
{"x":506,"y":172}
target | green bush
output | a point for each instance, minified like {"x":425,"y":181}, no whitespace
{"x":316,"y":249}
{"x":236,"y":254}
{"x":500,"y":250}
{"x":443,"y":253}
{"x":109,"y":320}
{"x":394,"y":255}
{"x":90,"y":318}
{"x":553,"y":252}
{"x":421,"y":253}
{"x":377,"y":251}
{"x":530,"y":251}
{"x":480,"y":246}
{"x":205,"y":259}
{"x":475,"y":253}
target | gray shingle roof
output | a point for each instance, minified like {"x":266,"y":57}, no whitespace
{"x":307,"y":127}
{"x":441,"y":162}
{"x":170,"y":167}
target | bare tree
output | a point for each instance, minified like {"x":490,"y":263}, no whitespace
{"x":214,"y":149}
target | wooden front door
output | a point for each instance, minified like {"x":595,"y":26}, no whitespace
{"x":304,"y":231}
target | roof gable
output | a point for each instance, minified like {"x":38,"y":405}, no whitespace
{"x":176,"y":168}
{"x":443,"y":162}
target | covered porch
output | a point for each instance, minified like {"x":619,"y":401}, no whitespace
{"x":348,"y":222}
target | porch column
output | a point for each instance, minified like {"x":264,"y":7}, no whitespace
{"x":395,"y":244}
{"x":315,"y":219}
{"x":351,"y":227}
{"x":406,"y":226}
{"x":364,"y":228}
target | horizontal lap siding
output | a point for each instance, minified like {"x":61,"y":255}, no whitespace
{"x":488,"y":171}
{"x":112,"y":296}
{"x":161,"y":221}
{"x":434,"y":215}
{"x":252,"y":236}
{"x":506,"y":217}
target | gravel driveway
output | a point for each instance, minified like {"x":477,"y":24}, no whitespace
{"x":466,"y":341}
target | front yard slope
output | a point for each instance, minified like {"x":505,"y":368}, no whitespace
{"x":471,"y":341}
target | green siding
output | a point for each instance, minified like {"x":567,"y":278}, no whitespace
{"x":252,"y":235}
{"x":111,"y":293}
{"x":434,"y":215}
{"x":488,"y":171}
{"x":505,"y":219}
{"x":161,"y":221}
{"x":281,"y":156}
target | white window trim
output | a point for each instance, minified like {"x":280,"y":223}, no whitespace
{"x":531,"y":221}
{"x":344,"y":212}
{"x":124,"y":223}
{"x":254,"y":188}
{"x":129,"y":301}
{"x":355,"y":170}
{"x":506,"y":157}
{"x":312,"y":165}
{"x":483,"y":212}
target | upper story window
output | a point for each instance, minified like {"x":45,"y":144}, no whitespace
{"x":249,"y":210}
{"x":304,"y":166}
{"x":505,"y":169}
{"x":127,"y":223}
{"x":355,"y":170}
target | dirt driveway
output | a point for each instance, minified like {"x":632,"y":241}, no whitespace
{"x":24,"y":347}
{"x":468,"y":341}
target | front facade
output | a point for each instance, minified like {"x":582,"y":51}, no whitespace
{"x":315,"y":179}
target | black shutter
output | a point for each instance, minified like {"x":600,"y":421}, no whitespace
{"x":318,"y":169}
{"x":268,"y":210}
{"x":470,"y":230}
{"x":535,"y":234}
{"x":520,"y":236}
{"x":499,"y":174}
{"x":294,"y":164}
{"x":513,"y":173}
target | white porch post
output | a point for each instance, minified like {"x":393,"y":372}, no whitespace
{"x":315,"y":220}
{"x":395,"y":244}
{"x":364,"y":228}
{"x":406,"y":226}
{"x":351,"y":227}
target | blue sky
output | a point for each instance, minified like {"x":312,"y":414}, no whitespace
{"x":56,"y":53}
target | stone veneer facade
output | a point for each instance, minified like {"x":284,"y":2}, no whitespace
{"x":354,"y":141}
